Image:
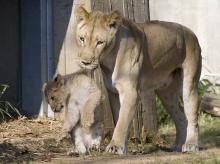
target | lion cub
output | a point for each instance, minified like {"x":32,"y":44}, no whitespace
{"x":81,"y":97}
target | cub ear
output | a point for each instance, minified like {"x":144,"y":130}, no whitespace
{"x":59,"y":80}
{"x":81,"y":14}
{"x":114,"y":19}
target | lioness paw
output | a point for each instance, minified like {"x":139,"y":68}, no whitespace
{"x":115,"y":149}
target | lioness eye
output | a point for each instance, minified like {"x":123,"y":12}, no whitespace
{"x":99,"y":43}
{"x":82,"y":39}
{"x":52,"y":98}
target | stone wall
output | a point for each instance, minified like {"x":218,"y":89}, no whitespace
{"x":202,"y":17}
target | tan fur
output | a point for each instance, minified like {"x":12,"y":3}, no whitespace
{"x":138,"y":58}
{"x":81,"y":97}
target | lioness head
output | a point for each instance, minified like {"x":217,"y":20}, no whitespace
{"x":55,"y":93}
{"x":95,"y":32}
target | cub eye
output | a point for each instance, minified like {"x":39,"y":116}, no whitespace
{"x":52,"y":98}
{"x":82,"y":39}
{"x":99,"y":43}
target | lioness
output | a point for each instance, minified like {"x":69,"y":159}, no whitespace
{"x":138,"y":58}
{"x":81,"y":98}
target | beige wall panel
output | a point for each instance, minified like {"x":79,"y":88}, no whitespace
{"x":202,"y":17}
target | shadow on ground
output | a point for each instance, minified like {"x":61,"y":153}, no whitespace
{"x":10,"y":153}
{"x":210,"y":137}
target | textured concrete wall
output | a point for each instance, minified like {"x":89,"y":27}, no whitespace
{"x":202,"y":17}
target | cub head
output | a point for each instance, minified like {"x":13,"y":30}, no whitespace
{"x":54,"y":92}
{"x":95,"y":33}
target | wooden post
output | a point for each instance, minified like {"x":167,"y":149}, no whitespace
{"x":138,"y":121}
{"x":149,"y":116}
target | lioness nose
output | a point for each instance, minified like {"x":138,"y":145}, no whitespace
{"x":86,"y":62}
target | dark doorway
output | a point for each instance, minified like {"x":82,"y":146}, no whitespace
{"x":9,"y":48}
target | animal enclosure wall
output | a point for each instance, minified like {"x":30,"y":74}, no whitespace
{"x":202,"y":17}
{"x":9,"y":48}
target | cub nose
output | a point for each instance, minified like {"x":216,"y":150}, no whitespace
{"x":86,"y":62}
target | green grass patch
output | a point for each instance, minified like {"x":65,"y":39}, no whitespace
{"x":7,"y":109}
{"x":209,"y":130}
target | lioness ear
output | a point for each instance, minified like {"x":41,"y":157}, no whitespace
{"x":114,"y":19}
{"x":57,"y":78}
{"x":81,"y":14}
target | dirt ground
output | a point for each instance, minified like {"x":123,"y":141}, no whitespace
{"x":24,"y":141}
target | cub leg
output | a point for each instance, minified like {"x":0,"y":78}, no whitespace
{"x":71,"y":119}
{"x":88,"y":110}
{"x":79,"y":145}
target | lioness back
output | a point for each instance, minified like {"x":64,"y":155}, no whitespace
{"x":163,"y":36}
{"x":167,"y":46}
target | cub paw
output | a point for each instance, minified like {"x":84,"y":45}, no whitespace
{"x":77,"y":151}
{"x":190,"y":148}
{"x":87,"y":120}
{"x":115,"y":149}
{"x":72,"y":153}
{"x":96,"y":147}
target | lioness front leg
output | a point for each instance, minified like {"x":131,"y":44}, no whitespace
{"x":128,"y":99}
